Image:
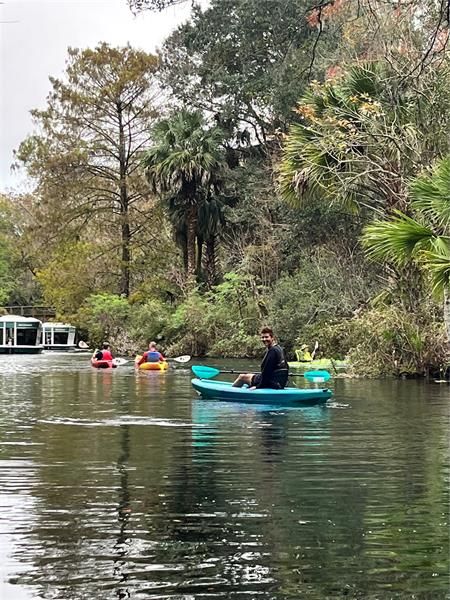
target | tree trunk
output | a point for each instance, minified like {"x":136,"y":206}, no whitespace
{"x":124,"y":212}
{"x":447,"y":312}
{"x":185,"y":256}
{"x":191,"y":228}
{"x":211,"y":261}
{"x":126,"y":257}
{"x":198,"y":269}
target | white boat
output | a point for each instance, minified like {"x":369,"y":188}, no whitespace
{"x":59,"y":336}
{"x":20,"y":335}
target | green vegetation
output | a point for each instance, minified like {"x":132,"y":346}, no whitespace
{"x":298,"y":175}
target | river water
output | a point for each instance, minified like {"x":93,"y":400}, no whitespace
{"x":122,"y":485}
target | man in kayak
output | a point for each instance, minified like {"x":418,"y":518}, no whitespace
{"x":274,"y":367}
{"x":152,"y":355}
{"x":104,"y":353}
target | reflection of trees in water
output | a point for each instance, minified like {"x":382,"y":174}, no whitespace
{"x":195,"y":516}
{"x":273,"y":433}
{"x":280,"y":503}
{"x":223,"y":499}
{"x":72,"y":536}
{"x":122,"y":545}
{"x":405,"y":489}
{"x":364,"y":503}
{"x":303,"y":529}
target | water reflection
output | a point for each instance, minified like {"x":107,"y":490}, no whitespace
{"x":121,"y":486}
{"x":272,"y":422}
{"x":122,"y":545}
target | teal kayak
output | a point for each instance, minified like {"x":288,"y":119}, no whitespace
{"x":223,"y":390}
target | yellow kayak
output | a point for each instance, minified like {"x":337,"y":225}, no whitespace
{"x":150,"y":366}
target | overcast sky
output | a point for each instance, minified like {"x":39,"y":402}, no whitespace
{"x":34,"y":36}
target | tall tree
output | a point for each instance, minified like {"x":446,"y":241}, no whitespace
{"x":86,"y":160}
{"x":415,"y":30}
{"x":18,"y":264}
{"x":185,"y":166}
{"x":370,"y":29}
{"x":138,"y":5}
{"x":211,"y":221}
{"x":246,"y":62}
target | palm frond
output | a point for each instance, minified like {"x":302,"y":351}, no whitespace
{"x":441,"y":245}
{"x":314,"y":165}
{"x":438,"y":265}
{"x":364,"y":80}
{"x":326,"y":154}
{"x":186,"y":152}
{"x":398,"y":240}
{"x":431,"y":194}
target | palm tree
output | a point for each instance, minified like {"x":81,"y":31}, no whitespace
{"x":423,"y":238}
{"x":211,"y":219}
{"x":186,"y":165}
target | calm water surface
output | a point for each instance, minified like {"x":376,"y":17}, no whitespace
{"x":124,"y":485}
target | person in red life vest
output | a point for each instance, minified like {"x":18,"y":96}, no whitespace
{"x":104,"y":353}
{"x":152,"y":355}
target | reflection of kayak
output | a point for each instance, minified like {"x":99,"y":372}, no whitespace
{"x":320,"y":363}
{"x":222,"y":390}
{"x":103,"y":364}
{"x":151,"y":366}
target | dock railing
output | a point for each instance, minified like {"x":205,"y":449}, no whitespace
{"x":43,"y":313}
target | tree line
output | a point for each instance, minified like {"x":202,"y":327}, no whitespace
{"x":275,"y":162}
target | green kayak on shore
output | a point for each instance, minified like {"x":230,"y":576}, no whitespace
{"x":320,"y":363}
{"x":223,"y":390}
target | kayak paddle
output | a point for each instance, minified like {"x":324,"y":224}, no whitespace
{"x":119,"y":361}
{"x":179,"y":359}
{"x":210,"y":372}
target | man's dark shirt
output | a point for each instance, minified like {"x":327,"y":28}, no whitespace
{"x":274,"y":369}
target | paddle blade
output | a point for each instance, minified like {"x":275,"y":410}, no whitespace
{"x":182,"y":359}
{"x":317,"y":376}
{"x":205,"y":372}
{"x":119,"y":361}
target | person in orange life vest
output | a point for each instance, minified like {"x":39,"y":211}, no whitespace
{"x":104,"y":353}
{"x":152,"y":355}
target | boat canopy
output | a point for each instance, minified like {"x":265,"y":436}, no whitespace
{"x":18,"y":319}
